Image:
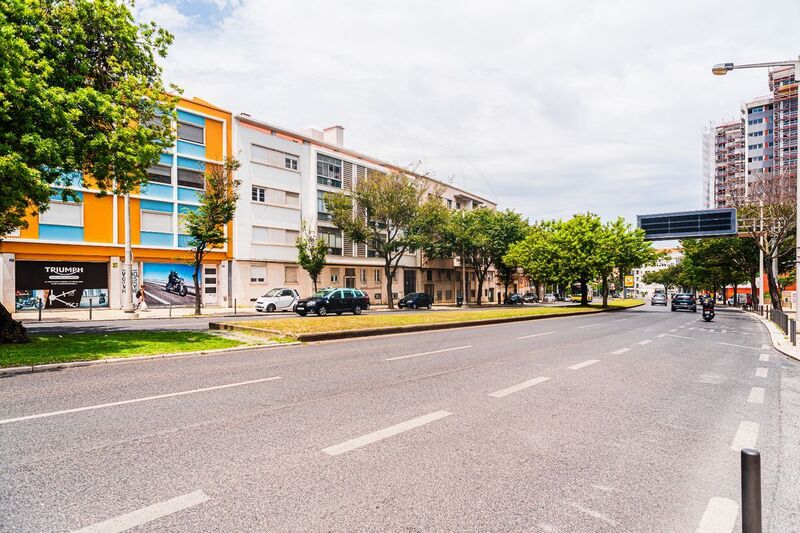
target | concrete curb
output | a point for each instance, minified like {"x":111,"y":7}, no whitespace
{"x":777,"y":337}
{"x":391,"y":330}
{"x":115,"y":360}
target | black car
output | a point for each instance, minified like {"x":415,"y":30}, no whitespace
{"x":415,"y":300}
{"x":333,"y":301}
{"x":514,"y":299}
{"x":684,"y":301}
{"x":530,"y":298}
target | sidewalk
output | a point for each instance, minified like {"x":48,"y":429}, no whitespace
{"x":780,"y":341}
{"x":76,"y":315}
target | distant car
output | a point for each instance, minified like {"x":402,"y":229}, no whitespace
{"x":514,"y":299}
{"x":279,"y":299}
{"x":684,"y":301}
{"x":549,"y":298}
{"x":415,"y":300}
{"x":337,"y":300}
{"x":530,"y":298}
{"x":659,"y":298}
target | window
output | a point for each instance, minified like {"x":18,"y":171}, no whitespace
{"x":159,"y":174}
{"x":260,"y":234}
{"x":191,"y":133}
{"x":292,"y":199}
{"x":429,"y":275}
{"x":449,"y":204}
{"x":333,"y":238}
{"x":190,"y":178}
{"x":291,"y":236}
{"x":259,"y":194}
{"x":290,"y":162}
{"x":362,"y":276}
{"x":290,"y":274}
{"x":322,"y":208}
{"x":258,"y":274}
{"x":259,"y":153}
{"x":758,"y":109}
{"x":755,"y":121}
{"x":63,"y":214}
{"x":156,"y":221}
{"x":329,"y":171}
{"x":335,"y":275}
{"x":377,"y":276}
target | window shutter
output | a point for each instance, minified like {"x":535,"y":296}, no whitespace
{"x":347,"y":174}
{"x":348,"y":247}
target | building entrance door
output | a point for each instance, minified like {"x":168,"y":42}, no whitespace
{"x":429,"y":290}
{"x":350,"y":278}
{"x":210,"y":285}
{"x":409,"y":281}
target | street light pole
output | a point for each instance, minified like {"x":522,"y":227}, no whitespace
{"x":721,"y":69}
{"x":127,"y":305}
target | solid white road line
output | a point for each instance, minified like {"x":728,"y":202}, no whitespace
{"x":588,"y":326}
{"x":584,"y":364}
{"x":763,"y":357}
{"x":595,"y":514}
{"x":621,"y":350}
{"x":745,"y":436}
{"x":147,"y":514}
{"x":516,"y":388}
{"x":620,"y":320}
{"x":676,"y":336}
{"x":719,"y":517}
{"x":739,"y":346}
{"x":642,"y":343}
{"x":136,"y":400}
{"x":761,"y":372}
{"x":756,"y":395}
{"x":428,"y":353}
{"x":381,"y":434}
{"x":535,"y":335}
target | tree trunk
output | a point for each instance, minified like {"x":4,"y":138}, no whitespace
{"x":755,"y":299}
{"x":774,"y":291}
{"x":735,"y":295}
{"x":11,"y":331}
{"x":605,"y":290}
{"x":480,"y":290}
{"x":540,"y":290}
{"x":314,"y":282}
{"x":387,"y":271}
{"x":197,"y":292}
{"x":584,"y":291}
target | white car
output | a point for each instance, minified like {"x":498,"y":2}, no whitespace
{"x":279,"y":299}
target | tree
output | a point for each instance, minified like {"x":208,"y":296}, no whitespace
{"x":508,"y":229}
{"x":394,"y":213}
{"x":537,"y":254}
{"x":311,"y":253}
{"x":712,"y":263}
{"x":80,"y":92}
{"x":206,"y":225}
{"x":622,"y":247}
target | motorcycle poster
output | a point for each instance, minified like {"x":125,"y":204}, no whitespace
{"x":168,"y":283}
{"x":60,"y":285}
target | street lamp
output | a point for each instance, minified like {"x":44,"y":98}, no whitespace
{"x":720,"y":69}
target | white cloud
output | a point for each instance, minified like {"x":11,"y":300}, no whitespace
{"x":549,"y":108}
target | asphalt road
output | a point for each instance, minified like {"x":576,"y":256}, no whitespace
{"x":627,"y":421}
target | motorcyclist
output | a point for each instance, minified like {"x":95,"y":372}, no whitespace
{"x":172,"y":279}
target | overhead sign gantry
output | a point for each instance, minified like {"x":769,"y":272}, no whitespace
{"x":689,"y":224}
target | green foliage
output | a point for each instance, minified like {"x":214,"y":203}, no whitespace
{"x":709,"y":264}
{"x":669,"y":277}
{"x":206,"y":225}
{"x":80,"y":91}
{"x":394,"y":213}
{"x":311,"y":253}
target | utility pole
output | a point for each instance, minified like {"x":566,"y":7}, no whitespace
{"x":127,"y":304}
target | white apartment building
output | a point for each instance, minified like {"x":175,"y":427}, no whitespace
{"x":644,"y":290}
{"x":284,"y":175}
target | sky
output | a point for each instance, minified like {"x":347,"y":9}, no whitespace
{"x":548,"y":108}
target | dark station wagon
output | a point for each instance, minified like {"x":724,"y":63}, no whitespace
{"x":333,"y":301}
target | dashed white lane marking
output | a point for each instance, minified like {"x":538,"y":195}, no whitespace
{"x":136,"y":400}
{"x":588,"y":326}
{"x":692,"y":329}
{"x":745,"y":436}
{"x":719,"y":517}
{"x":584,"y":364}
{"x":536,"y":335}
{"x":516,"y":388}
{"x":739,"y":346}
{"x":621,"y":320}
{"x":595,"y":514}
{"x":756,"y":395}
{"x":381,"y":434}
{"x":761,"y":372}
{"x":765,"y":346}
{"x":621,"y":350}
{"x":726,"y":331}
{"x":674,"y":330}
{"x":676,"y":336}
{"x":642,"y":343}
{"x":428,"y":353}
{"x":147,"y":514}
{"x":763,"y":357}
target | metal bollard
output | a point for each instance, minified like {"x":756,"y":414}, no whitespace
{"x":90,"y":308}
{"x":234,"y":306}
{"x":40,"y":305}
{"x":170,"y":309}
{"x":751,"y":491}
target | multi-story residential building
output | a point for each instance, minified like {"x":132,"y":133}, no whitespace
{"x":757,"y":120}
{"x":643,"y":290}
{"x":784,"y":86}
{"x":74,"y":251}
{"x":285,"y":175}
{"x":729,"y":173}
{"x":709,"y":136}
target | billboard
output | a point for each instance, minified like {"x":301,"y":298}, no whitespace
{"x":60,"y":284}
{"x":689,"y":224}
{"x":168,"y":283}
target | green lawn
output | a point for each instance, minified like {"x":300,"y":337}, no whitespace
{"x":314,"y":324}
{"x":45,"y":349}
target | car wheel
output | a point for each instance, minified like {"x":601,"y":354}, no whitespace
{"x":413,"y":306}
{"x":302,"y":313}
{"x":694,"y":310}
{"x":357,"y":310}
{"x":271,"y":308}
{"x":430,"y":305}
{"x":322,"y":311}
{"x":673,"y":309}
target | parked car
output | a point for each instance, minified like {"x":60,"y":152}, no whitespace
{"x":684,"y":301}
{"x":336,"y":300}
{"x":659,"y":298}
{"x":278,"y":299}
{"x":415,"y":300}
{"x":549,"y":298}
{"x":530,"y":297}
{"x":514,"y":299}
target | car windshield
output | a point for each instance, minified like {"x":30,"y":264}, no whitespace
{"x":322,"y":294}
{"x":273,"y":292}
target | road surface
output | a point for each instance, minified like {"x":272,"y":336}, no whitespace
{"x":627,"y":421}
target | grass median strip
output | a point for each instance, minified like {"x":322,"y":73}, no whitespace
{"x":46,"y":349}
{"x":310,"y":325}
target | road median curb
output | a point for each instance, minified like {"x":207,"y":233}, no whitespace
{"x":8,"y":371}
{"x":390,"y":330}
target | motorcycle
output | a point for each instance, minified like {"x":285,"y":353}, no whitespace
{"x":176,"y":285}
{"x":708,"y":310}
